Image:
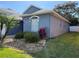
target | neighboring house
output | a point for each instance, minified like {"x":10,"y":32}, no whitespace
{"x":13,"y":13}
{"x":35,"y":18}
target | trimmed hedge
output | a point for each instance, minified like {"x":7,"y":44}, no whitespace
{"x":31,"y":37}
{"x":19,"y":35}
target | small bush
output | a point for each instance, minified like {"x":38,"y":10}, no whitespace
{"x":31,"y":37}
{"x":42,"y":33}
{"x":19,"y":35}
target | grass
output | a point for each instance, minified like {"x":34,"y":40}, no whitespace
{"x":12,"y":53}
{"x":66,"y":45}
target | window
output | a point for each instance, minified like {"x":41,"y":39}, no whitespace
{"x":34,"y":23}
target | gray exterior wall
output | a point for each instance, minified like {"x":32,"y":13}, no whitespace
{"x":26,"y":24}
{"x":54,"y":25}
{"x":43,"y":22}
{"x":57,"y":26}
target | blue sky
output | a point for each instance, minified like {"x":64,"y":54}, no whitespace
{"x":21,"y":6}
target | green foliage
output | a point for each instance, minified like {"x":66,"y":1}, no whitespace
{"x":19,"y":35}
{"x":31,"y":37}
{"x":69,"y":10}
{"x":5,"y":18}
{"x":74,"y":22}
{"x":10,"y":22}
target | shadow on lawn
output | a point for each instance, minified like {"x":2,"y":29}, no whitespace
{"x":1,"y":48}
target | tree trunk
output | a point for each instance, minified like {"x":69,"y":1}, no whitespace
{"x":3,"y":37}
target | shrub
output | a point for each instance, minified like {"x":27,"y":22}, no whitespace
{"x":31,"y":37}
{"x":19,"y":35}
{"x":42,"y":33}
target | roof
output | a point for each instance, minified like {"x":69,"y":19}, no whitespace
{"x":31,"y":7}
{"x":45,"y":12}
{"x":38,"y":13}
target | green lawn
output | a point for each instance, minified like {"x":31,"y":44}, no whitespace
{"x":12,"y":53}
{"x":66,"y":45}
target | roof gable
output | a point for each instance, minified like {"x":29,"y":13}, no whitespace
{"x":31,"y":9}
{"x":52,"y":12}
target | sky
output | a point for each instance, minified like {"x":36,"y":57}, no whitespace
{"x":21,"y":6}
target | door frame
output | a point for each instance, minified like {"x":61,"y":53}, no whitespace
{"x":31,"y":19}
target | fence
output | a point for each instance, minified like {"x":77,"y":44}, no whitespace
{"x":74,"y":28}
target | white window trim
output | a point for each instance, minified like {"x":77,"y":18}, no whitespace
{"x":34,"y":16}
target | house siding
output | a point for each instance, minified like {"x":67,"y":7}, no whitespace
{"x":43,"y":23}
{"x":16,"y":29}
{"x":57,"y":26}
{"x":26,"y":24}
{"x":54,"y":25}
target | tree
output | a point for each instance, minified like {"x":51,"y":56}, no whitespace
{"x":9,"y":22}
{"x":9,"y":19}
{"x":69,"y":10}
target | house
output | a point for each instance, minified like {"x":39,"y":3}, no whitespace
{"x":35,"y":18}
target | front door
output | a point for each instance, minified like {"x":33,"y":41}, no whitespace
{"x":35,"y":25}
